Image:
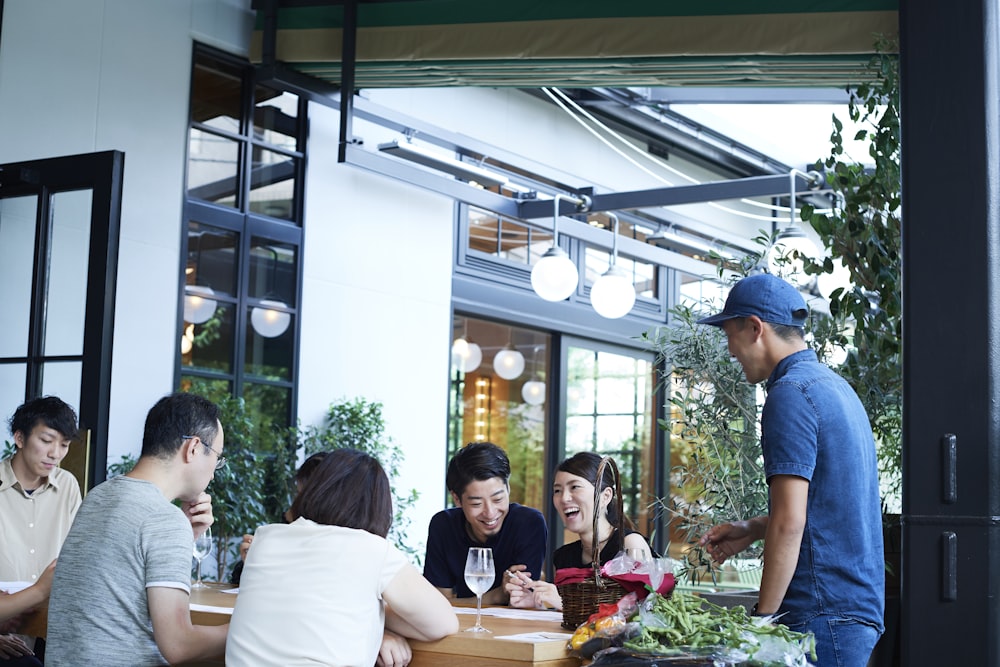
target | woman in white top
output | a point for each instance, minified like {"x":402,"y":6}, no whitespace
{"x":320,"y":590}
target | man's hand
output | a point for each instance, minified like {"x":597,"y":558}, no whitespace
{"x":728,"y":539}
{"x":394,"y":651}
{"x":12,"y":646}
{"x":199,"y":513}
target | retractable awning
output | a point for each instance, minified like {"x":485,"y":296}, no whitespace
{"x":579,"y":43}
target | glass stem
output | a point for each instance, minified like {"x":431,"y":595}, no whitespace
{"x":479,"y":609}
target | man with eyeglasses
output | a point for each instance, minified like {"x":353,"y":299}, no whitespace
{"x":122,"y":585}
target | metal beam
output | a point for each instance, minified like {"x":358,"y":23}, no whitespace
{"x":754,"y":186}
{"x":429,"y":180}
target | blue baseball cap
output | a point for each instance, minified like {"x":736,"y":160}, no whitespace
{"x":768,"y":297}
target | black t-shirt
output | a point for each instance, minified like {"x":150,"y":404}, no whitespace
{"x":571,"y":555}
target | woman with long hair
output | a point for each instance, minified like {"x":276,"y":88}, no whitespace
{"x":321,"y":590}
{"x":573,"y":497}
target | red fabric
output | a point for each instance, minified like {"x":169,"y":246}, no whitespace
{"x":631,"y":582}
{"x":572,"y":575}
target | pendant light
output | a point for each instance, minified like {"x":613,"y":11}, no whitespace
{"x":268,"y":318}
{"x":533,"y":391}
{"x":199,"y":300}
{"x":613,"y":294}
{"x":790,"y":245}
{"x":465,"y":354}
{"x":199,"y":303}
{"x":555,"y":277}
{"x":508,"y":362}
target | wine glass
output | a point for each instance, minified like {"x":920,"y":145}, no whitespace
{"x":479,"y":576}
{"x":202,"y":547}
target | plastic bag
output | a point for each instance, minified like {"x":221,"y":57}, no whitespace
{"x":608,"y":627}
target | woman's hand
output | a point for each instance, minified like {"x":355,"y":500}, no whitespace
{"x":245,"y":546}
{"x":528,"y":594}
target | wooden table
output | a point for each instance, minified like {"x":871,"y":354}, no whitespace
{"x":458,"y":650}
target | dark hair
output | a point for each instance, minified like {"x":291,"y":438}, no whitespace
{"x":477,"y":461}
{"x":308,"y":467}
{"x":585,"y":465}
{"x":787,"y":332}
{"x":175,"y":416}
{"x":349,"y":488}
{"x":49,"y":410}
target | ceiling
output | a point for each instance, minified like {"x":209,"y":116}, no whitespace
{"x":579,"y":43}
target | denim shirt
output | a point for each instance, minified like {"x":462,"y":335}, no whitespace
{"x":813,"y":426}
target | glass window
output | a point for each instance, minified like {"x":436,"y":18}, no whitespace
{"x":217,"y":93}
{"x":609,"y":411}
{"x":273,"y":271}
{"x":17,"y":244}
{"x":268,"y":403}
{"x":211,"y":260}
{"x":270,"y":342}
{"x":208,"y":345}
{"x":241,"y":288}
{"x":505,"y":238}
{"x":213,"y":168}
{"x":272,"y":184}
{"x":275,"y":118}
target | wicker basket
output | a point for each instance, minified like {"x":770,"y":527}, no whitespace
{"x":582,"y":599}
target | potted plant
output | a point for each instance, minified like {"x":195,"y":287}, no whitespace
{"x":358,"y":423}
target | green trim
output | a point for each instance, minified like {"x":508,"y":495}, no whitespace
{"x":457,"y":12}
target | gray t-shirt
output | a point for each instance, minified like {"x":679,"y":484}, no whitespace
{"x":126,"y":538}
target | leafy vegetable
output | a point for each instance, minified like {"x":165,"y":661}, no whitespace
{"x":684,"y":621}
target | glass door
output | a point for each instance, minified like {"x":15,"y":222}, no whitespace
{"x":609,"y":409}
{"x":59,"y":223}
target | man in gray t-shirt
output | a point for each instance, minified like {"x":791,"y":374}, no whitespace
{"x":122,"y":584}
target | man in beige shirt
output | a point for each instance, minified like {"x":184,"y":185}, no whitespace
{"x":38,"y":500}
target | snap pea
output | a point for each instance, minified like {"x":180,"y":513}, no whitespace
{"x":684,"y":620}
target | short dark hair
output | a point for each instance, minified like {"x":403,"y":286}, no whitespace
{"x":349,"y":488}
{"x":586,"y":465}
{"x":477,"y":461}
{"x":787,"y":332}
{"x":309,"y":466}
{"x":49,"y":410}
{"x":175,"y":416}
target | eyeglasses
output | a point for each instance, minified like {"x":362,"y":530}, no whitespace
{"x":220,"y":460}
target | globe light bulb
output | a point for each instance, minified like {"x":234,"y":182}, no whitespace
{"x":199,"y":304}
{"x":465,"y":355}
{"x":267,"y":321}
{"x":508,"y":363}
{"x":533,"y":392}
{"x":783,"y":261}
{"x":554,"y":276}
{"x":613,"y":294}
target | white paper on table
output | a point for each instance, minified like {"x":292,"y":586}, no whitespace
{"x":231,"y":591}
{"x":513,"y":612}
{"x":537,"y":637}
{"x":14,"y":586}
{"x":228,"y":611}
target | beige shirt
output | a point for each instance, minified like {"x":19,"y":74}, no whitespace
{"x":33,"y":526}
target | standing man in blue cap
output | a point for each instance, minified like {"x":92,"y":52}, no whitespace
{"x":824,"y":567}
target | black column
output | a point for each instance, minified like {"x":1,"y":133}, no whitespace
{"x":951,"y":290}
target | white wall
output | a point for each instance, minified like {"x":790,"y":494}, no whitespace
{"x":81,"y":76}
{"x":376,"y":306}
